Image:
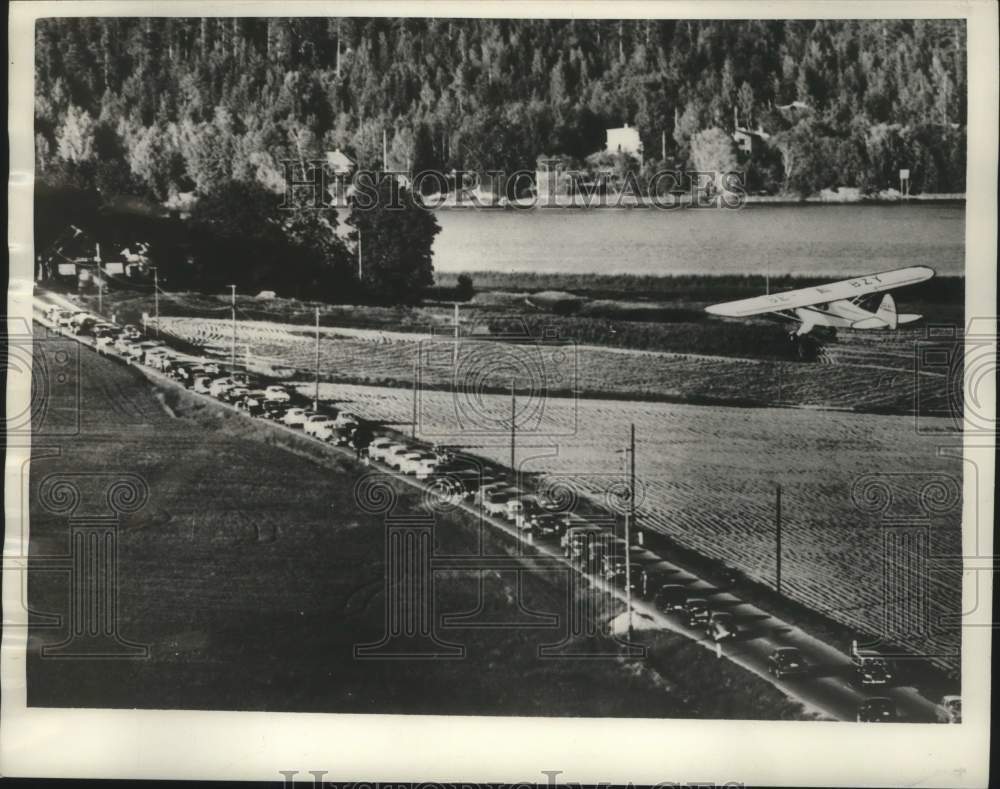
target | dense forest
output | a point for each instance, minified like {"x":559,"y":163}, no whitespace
{"x":161,"y":106}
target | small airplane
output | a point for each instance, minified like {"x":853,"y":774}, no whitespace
{"x":836,"y":305}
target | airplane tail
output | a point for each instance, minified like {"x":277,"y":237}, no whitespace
{"x":887,"y":311}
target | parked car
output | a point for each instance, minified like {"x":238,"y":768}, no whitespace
{"x":461,"y":482}
{"x":612,"y":568}
{"x":277,"y":394}
{"x":696,"y":611}
{"x":274,"y":410}
{"x":950,"y":709}
{"x":721,"y":626}
{"x":131,"y":332}
{"x":394,"y":454}
{"x":576,"y":539}
{"x":310,"y":426}
{"x":295,"y":417}
{"x":495,"y":502}
{"x":378,"y":446}
{"x":183,"y":373}
{"x":405,"y":460}
{"x":786,"y":662}
{"x":252,"y":402}
{"x":409,"y":462}
{"x":235,"y":394}
{"x":104,"y":344}
{"x":85,"y":327}
{"x":515,"y":510}
{"x":488,"y":487}
{"x":220,"y":386}
{"x":670,"y":598}
{"x":425,"y":467}
{"x":345,"y":418}
{"x":877,"y":710}
{"x":655,"y":576}
{"x":871,"y":667}
{"x":545,"y":524}
{"x":202,"y":384}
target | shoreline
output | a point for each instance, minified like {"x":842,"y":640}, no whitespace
{"x":489,"y":202}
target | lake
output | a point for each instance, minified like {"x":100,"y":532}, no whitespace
{"x":830,"y":240}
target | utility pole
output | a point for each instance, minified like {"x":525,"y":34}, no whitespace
{"x":100,"y":281}
{"x":359,"y":256}
{"x":777,"y":539}
{"x":416,"y":374}
{"x":316,"y":390}
{"x":233,"y":289}
{"x":338,"y":50}
{"x":663,"y":146}
{"x":454,"y":356}
{"x":156,"y":298}
{"x":385,"y":153}
{"x":513,"y":428}
{"x":629,"y":523}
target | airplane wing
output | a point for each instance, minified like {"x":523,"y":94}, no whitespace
{"x":823,"y":294}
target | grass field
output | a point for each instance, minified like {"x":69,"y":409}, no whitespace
{"x":658,"y":346}
{"x":251,"y":598}
{"x":707,"y":479}
{"x":874,"y":375}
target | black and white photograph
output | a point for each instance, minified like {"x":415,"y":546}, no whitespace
{"x":536,"y":369}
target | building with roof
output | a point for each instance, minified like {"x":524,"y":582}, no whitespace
{"x":624,"y":140}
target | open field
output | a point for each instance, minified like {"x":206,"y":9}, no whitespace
{"x":251,"y":599}
{"x":659,"y":345}
{"x":875,"y":375}
{"x":707,"y":480}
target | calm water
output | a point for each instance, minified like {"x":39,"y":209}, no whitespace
{"x":810,"y":239}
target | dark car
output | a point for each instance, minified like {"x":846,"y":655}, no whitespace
{"x":877,"y":710}
{"x":696,"y":611}
{"x":786,"y":662}
{"x":655,"y":577}
{"x":546,"y":524}
{"x":273,"y":410}
{"x":721,"y":626}
{"x":670,"y":598}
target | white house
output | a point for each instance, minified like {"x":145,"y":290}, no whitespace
{"x":339,"y":162}
{"x":624,"y":140}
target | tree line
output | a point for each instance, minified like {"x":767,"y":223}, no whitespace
{"x":189,"y":103}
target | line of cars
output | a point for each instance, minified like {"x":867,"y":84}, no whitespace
{"x":588,"y":542}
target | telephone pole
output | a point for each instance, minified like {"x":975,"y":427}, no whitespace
{"x":777,"y":539}
{"x":513,"y":428}
{"x":416,"y":379}
{"x":454,"y":356}
{"x":629,"y":524}
{"x":100,"y":281}
{"x":156,"y":298}
{"x":233,"y":290}
{"x":316,"y":390}
{"x":359,"y":256}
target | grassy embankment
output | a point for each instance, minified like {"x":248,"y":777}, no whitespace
{"x":250,"y":598}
